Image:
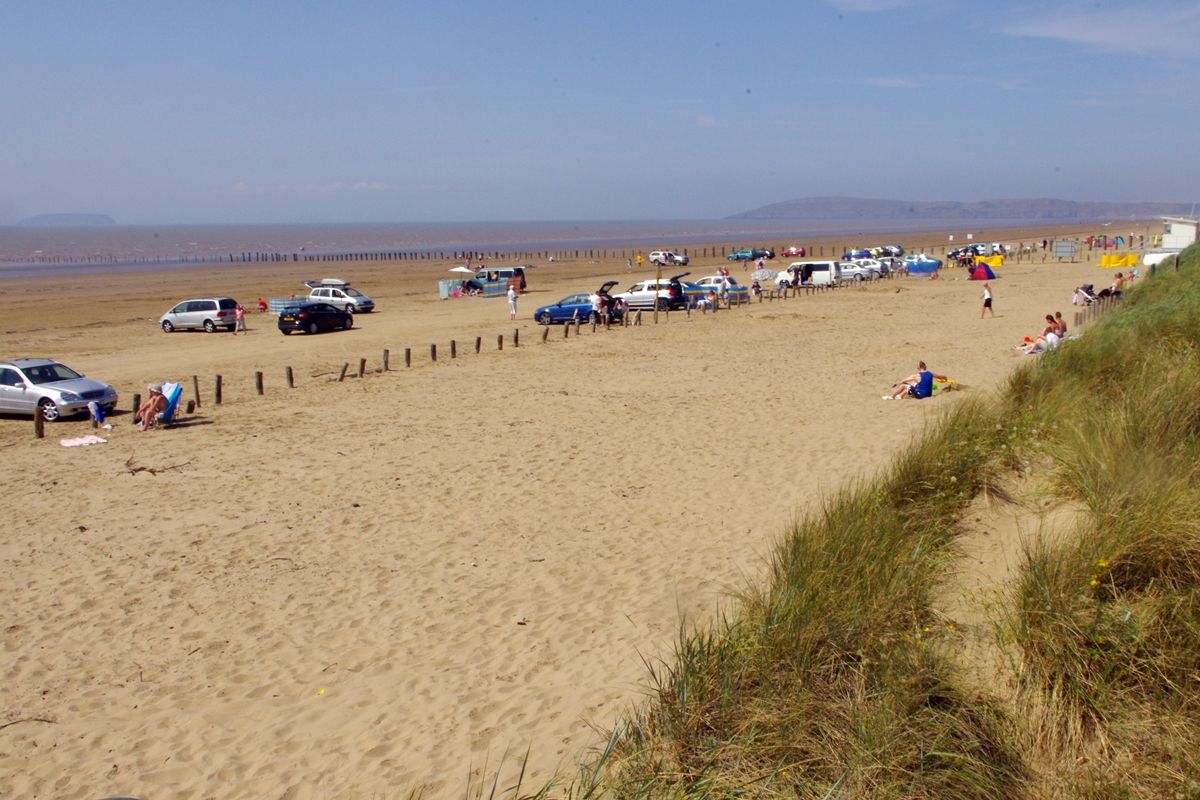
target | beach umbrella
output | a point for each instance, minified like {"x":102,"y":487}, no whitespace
{"x":763,"y":274}
{"x":467,"y":270}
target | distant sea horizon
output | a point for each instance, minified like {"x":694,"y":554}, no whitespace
{"x":76,"y":250}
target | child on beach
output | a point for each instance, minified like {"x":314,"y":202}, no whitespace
{"x":987,"y":301}
{"x":239,"y":319}
{"x":512,"y":301}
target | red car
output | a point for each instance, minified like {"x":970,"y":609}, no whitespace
{"x":798,"y":252}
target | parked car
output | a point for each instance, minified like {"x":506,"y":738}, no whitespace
{"x":891,"y":264}
{"x":577,"y":306}
{"x":338,"y":292}
{"x":893,"y":250}
{"x":314,"y":317}
{"x":39,"y":385}
{"x":793,"y":252}
{"x":762,"y":252}
{"x":919,"y":262}
{"x":741,"y":255}
{"x":863,"y":269}
{"x":812,"y":273}
{"x":208,"y":313}
{"x":500,"y":276}
{"x":860,"y":252}
{"x":668,"y":293}
{"x":724,"y":285}
{"x":668,"y":258}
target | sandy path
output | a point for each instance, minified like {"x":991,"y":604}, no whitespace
{"x":383,"y":539}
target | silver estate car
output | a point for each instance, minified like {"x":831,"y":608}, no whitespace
{"x":208,"y":313}
{"x":39,"y":385}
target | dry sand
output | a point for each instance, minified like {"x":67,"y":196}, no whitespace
{"x":353,"y":589}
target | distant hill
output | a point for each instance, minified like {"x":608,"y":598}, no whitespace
{"x":1018,"y":209}
{"x":67,"y":220}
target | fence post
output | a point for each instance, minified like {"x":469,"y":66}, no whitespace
{"x":362,"y":367}
{"x":433,"y":353}
{"x":342,"y":374}
{"x":385,"y":360}
{"x":195,"y":390}
{"x":453,"y":348}
{"x":217,"y":389}
{"x":408,"y":356}
{"x":499,"y":341}
{"x":290,"y":382}
{"x":258,"y":382}
{"x":478,"y":343}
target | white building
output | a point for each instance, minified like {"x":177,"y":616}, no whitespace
{"x":1178,"y":232}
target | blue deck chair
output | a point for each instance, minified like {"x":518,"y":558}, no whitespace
{"x":171,"y":391}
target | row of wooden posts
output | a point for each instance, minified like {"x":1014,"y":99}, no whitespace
{"x":1095,"y":309}
{"x":628,"y":320}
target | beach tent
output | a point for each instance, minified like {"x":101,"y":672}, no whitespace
{"x":983,"y":272}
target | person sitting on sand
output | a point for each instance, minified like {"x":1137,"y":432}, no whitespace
{"x":1061,"y":325}
{"x":1041,"y":344}
{"x":915,"y":387}
{"x":149,"y":412}
{"x":262,"y":305}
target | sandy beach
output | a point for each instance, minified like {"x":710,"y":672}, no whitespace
{"x":353,"y":589}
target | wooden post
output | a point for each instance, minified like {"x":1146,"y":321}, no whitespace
{"x":39,"y":424}
{"x":593,"y":324}
{"x":291,"y":382}
{"x":453,"y":348}
{"x":258,"y":382}
{"x":362,"y":367}
{"x":566,"y":330}
{"x":385,"y":360}
{"x":577,"y":324}
{"x":516,"y":337}
{"x":191,"y":406}
{"x":499,"y":341}
{"x":217,"y":389}
{"x":545,"y":333}
{"x":478,"y":343}
{"x":342,"y":374}
{"x":433,"y":352}
{"x":638,"y":319}
{"x":195,"y":390}
{"x":137,"y":403}
{"x":408,"y":356}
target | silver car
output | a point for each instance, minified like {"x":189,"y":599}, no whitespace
{"x":39,"y":385}
{"x":208,"y":313}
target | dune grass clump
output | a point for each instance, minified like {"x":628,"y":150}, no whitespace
{"x":1105,"y":623}
{"x":834,"y":678}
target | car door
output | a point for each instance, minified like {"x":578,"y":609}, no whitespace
{"x":15,"y":396}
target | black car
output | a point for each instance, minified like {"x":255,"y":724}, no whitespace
{"x":314,"y":317}
{"x":762,"y":252}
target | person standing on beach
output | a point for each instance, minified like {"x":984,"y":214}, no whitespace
{"x":987,"y":301}
{"x":629,"y":265}
{"x":239,"y":319}
{"x":512,"y":301}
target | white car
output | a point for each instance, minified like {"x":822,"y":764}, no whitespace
{"x":668,"y":293}
{"x":862,"y":269}
{"x":667,"y":258}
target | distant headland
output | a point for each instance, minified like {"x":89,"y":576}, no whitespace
{"x":67,"y":221}
{"x":1032,"y":209}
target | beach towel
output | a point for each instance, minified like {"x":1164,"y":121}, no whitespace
{"x":82,"y":441}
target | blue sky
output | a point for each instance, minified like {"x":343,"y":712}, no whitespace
{"x":215,"y":112}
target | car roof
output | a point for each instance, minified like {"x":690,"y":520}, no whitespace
{"x":22,"y":363}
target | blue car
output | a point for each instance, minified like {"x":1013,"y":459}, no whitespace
{"x":576,"y":306}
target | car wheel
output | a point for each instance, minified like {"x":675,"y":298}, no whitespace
{"x":209,"y":326}
{"x":48,"y":410}
{"x":285,"y":333}
{"x":167,"y":326}
{"x":663,"y":304}
{"x":349,"y":323}
{"x":349,"y":309}
{"x":859,"y":277}
{"x":545,"y":318}
{"x":312,"y":327}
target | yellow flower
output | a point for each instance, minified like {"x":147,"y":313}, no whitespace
{"x":1094,"y":581}
{"x":1102,"y":563}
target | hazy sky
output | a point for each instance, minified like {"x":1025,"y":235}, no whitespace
{"x":200,"y":112}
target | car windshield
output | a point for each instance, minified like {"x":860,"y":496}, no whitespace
{"x":352,"y":292}
{"x":49,"y":373}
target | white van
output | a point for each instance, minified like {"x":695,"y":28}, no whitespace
{"x":810,"y":273}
